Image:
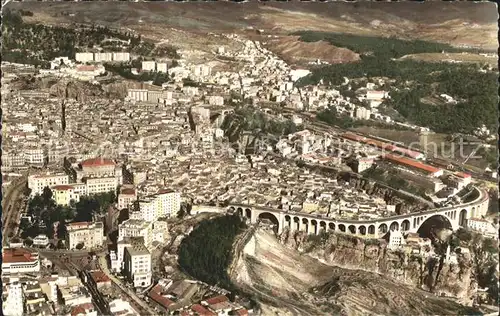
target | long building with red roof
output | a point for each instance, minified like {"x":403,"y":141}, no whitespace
{"x":383,"y":146}
{"x":19,"y":260}
{"x":422,"y":167}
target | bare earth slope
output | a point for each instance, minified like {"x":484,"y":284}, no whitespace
{"x":457,"y":23}
{"x":301,"y":285}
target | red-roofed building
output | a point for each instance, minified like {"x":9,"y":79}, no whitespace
{"x":87,"y":309}
{"x":127,"y":196}
{"x":240,"y":312}
{"x":100,"y":279}
{"x":428,"y":169}
{"x":202,"y":311}
{"x":98,"y":167}
{"x":219,"y":304}
{"x":19,"y":260}
{"x":156,"y":295}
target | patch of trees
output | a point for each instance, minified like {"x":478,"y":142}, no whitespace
{"x":38,"y":42}
{"x":166,"y":50}
{"x":386,"y":47}
{"x":45,"y":213}
{"x":43,"y":210}
{"x":123,"y":69}
{"x":392,"y":180}
{"x":93,"y":205}
{"x":206,"y":253}
{"x":250,"y":119}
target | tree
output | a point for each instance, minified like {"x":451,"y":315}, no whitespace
{"x":463,"y":235}
{"x":61,"y":244}
{"x":46,"y":195}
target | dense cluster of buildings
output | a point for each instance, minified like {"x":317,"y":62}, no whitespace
{"x":160,"y":147}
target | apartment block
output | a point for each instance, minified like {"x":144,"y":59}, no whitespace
{"x":38,"y":182}
{"x":136,"y":228}
{"x":162,"y":204}
{"x":137,"y":265}
{"x":91,"y":235}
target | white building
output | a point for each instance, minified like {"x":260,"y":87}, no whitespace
{"x":101,"y":185}
{"x":161,"y":67}
{"x":126,"y":197}
{"x":136,"y":228}
{"x":35,"y":156}
{"x":91,"y":235}
{"x":164,"y":204}
{"x":396,"y":239}
{"x":103,"y":57}
{"x":19,"y":260}
{"x":121,"y":307}
{"x":14,"y":304}
{"x":481,"y":225}
{"x":121,"y":56}
{"x":362,"y":113}
{"x":38,"y":182}
{"x":41,"y":241}
{"x":216,"y":100}
{"x":138,"y":94}
{"x":84,"y":57}
{"x":137,"y":265}
{"x":149,"y":65}
{"x":363,"y":164}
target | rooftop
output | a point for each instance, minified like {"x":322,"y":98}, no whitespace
{"x":13,"y":255}
{"x":97,"y":162}
{"x":99,"y":277}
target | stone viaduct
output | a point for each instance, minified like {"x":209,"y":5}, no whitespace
{"x":456,"y":216}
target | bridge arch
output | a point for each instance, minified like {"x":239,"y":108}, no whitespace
{"x":296,"y":223}
{"x":331,"y":226}
{"x":231,"y":209}
{"x":362,"y":230}
{"x":462,"y":220}
{"x":240,"y":211}
{"x":322,"y":226}
{"x":352,"y":229}
{"x":305,"y":225}
{"x":342,"y":228}
{"x":248,"y":213}
{"x":371,"y":230}
{"x":405,"y":225}
{"x":314,"y":227}
{"x":382,"y":229}
{"x":288,"y":221}
{"x":271,"y":217}
{"x":434,"y":222}
{"x":394,"y":226}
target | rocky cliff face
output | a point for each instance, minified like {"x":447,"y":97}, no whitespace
{"x":431,"y":274}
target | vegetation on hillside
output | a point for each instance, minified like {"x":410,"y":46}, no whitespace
{"x":475,"y":89}
{"x":484,"y":252}
{"x":386,"y":47}
{"x":124,"y":70}
{"x":206,"y":253}
{"x":250,"y":119}
{"x":393,"y":180}
{"x":37,"y":43}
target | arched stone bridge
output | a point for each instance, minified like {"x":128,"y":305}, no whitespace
{"x":312,"y":224}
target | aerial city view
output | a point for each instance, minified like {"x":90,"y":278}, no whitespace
{"x":249,"y":158}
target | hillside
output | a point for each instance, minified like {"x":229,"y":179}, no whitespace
{"x":184,"y":24}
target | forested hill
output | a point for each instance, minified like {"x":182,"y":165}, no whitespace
{"x":474,"y":86}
